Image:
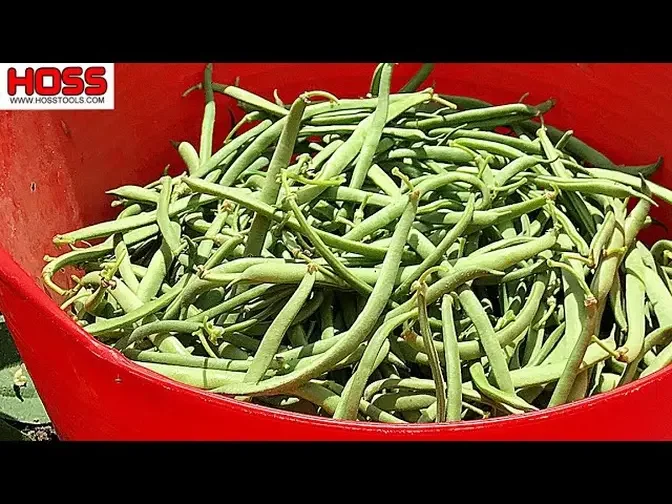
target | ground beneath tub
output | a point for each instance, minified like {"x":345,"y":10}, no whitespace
{"x":40,"y":433}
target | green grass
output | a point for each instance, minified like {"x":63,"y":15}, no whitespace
{"x":22,"y":414}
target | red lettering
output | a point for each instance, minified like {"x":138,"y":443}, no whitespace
{"x":97,"y":83}
{"x":14,"y":81}
{"x":55,"y":86}
{"x":73,"y":84}
{"x":69,"y":81}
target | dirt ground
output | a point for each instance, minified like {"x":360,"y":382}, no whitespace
{"x":40,"y":433}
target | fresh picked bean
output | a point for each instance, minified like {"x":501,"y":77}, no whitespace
{"x":405,"y":257}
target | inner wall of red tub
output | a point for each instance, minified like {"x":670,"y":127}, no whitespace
{"x":58,"y":165}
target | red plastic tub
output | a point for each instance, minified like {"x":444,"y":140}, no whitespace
{"x":55,"y":167}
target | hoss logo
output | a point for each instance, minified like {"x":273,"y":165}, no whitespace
{"x":51,"y":81}
{"x":57,"y":86}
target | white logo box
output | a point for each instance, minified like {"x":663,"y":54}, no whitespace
{"x":56,"y":86}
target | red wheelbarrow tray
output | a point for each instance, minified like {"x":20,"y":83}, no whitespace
{"x":56,"y":165}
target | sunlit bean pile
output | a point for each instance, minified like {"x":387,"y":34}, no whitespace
{"x":402,"y":257}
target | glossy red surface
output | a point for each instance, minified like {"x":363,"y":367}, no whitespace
{"x":55,"y":167}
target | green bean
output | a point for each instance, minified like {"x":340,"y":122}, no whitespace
{"x":252,"y":99}
{"x":255,"y":115}
{"x":518,"y":165}
{"x":607,"y":269}
{"x":634,"y":306}
{"x":509,"y":398}
{"x":535,"y":334}
{"x":326,"y":313}
{"x":251,"y":154}
{"x":629,"y":180}
{"x":204,"y":363}
{"x":656,"y":290}
{"x":572,"y":367}
{"x":376,"y":221}
{"x":575,"y":292}
{"x":125,"y":266}
{"x":309,"y":308}
{"x":188,"y":154}
{"x":660,"y":336}
{"x":616,"y":303}
{"x":225,"y":250}
{"x":452,"y":361}
{"x":375,"y":80}
{"x":398,"y":383}
{"x":297,"y":335}
{"x":324,"y":155}
{"x":130,"y":210}
{"x":356,"y":196}
{"x":466,"y":102}
{"x":205,"y":247}
{"x":420,"y":243}
{"x":663,"y":359}
{"x":501,"y":111}
{"x":501,"y":244}
{"x":161,"y":326}
{"x":273,"y":337}
{"x":524,"y":146}
{"x":571,"y":232}
{"x":351,"y":118}
{"x":205,"y":379}
{"x":437,"y":153}
{"x":470,"y":303}
{"x":409,"y":134}
{"x":658,"y":250}
{"x":439,"y":205}
{"x":135,"y":193}
{"x":634,"y":222}
{"x":418,"y":78}
{"x":383,"y":181}
{"x":355,"y":387}
{"x":403,"y":401}
{"x":375,"y":130}
{"x":495,"y":148}
{"x":548,"y":345}
{"x":158,"y":268}
{"x":575,"y":202}
{"x":547,"y":373}
{"x":589,"y":186}
{"x":430,"y":350}
{"x":205,"y":150}
{"x":602,"y":238}
{"x":271,"y":188}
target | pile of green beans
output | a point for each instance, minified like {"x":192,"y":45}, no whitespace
{"x":403,"y":257}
